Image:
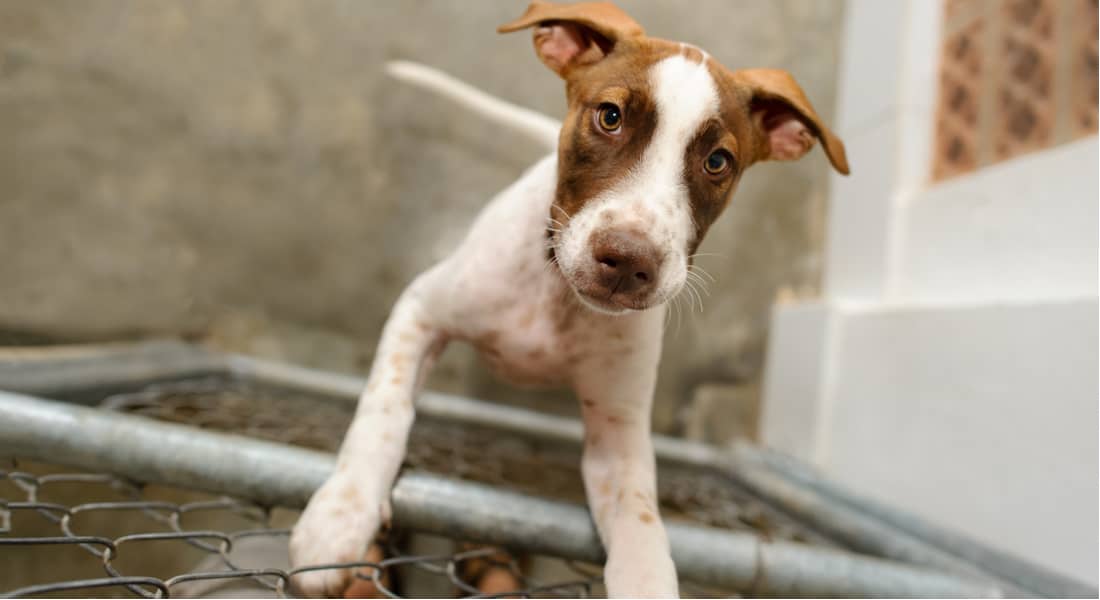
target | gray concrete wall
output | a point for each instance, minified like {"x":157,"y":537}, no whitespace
{"x":241,"y":170}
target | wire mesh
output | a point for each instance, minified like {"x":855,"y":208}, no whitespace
{"x":96,"y":534}
{"x":479,"y":454}
{"x":196,"y":545}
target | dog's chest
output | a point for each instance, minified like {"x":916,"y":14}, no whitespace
{"x":530,"y":338}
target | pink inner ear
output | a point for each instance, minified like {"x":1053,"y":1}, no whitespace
{"x":788,"y":138}
{"x":560,"y":44}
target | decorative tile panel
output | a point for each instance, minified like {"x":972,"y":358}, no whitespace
{"x":1016,"y":76}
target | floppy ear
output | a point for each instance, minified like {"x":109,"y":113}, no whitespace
{"x":786,"y":121}
{"x":568,"y":35}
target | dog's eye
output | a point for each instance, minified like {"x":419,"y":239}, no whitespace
{"x":717,"y":163}
{"x":610,"y":117}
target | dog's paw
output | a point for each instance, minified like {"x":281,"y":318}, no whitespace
{"x":640,"y":576}
{"x":336,"y":527}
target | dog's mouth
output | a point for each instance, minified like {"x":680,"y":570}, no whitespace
{"x":606,"y":305}
{"x":600,"y":299}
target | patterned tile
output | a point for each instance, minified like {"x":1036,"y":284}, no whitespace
{"x":1016,"y":76}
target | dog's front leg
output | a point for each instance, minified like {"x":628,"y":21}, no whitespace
{"x":620,"y":475}
{"x":344,"y":514}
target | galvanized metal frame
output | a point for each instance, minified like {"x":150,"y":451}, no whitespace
{"x":939,"y":563}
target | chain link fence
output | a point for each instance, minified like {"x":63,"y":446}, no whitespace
{"x":151,"y":541}
{"x":221,"y":547}
{"x":211,"y":456}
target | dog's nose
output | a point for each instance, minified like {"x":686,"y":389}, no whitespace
{"x":626,"y":261}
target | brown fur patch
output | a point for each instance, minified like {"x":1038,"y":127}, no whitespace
{"x":647,"y":517}
{"x":528,"y":318}
{"x":350,"y":495}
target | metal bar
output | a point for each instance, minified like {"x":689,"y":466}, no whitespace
{"x":66,"y":370}
{"x":273,"y":474}
{"x":1028,"y":576}
{"x":839,"y":515}
{"x":457,"y":409}
{"x":841,"y":520}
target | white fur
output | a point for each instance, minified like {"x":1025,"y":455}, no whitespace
{"x":653,"y":197}
{"x":498,"y":292}
{"x":524,"y":121}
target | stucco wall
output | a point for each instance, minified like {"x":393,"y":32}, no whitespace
{"x":949,"y":368}
{"x":242,"y":170}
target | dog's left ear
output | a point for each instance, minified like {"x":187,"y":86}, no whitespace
{"x":571,"y":35}
{"x":786,"y":121}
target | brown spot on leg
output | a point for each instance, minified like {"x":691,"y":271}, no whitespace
{"x":647,"y":517}
{"x":528,"y":318}
{"x":396,"y":380}
{"x":614,"y":420}
{"x":588,"y":402}
{"x":397,"y":360}
{"x":605,"y":487}
{"x":351,"y":495}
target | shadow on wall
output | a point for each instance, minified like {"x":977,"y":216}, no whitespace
{"x":244,"y":172}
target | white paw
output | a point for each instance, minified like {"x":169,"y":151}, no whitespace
{"x":640,"y":577}
{"x":336,"y":527}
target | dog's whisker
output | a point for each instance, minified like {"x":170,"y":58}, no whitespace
{"x":702,"y":283}
{"x":698,"y":296}
{"x":694,"y":295}
{"x":700,"y":270}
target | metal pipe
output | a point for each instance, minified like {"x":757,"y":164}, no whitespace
{"x":840,"y":515}
{"x":67,"y":370}
{"x":274,"y":474}
{"x":1032,"y":579}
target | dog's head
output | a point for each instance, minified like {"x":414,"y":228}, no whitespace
{"x":656,"y":139}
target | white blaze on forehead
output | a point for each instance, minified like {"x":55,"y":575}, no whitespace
{"x":686,"y":97}
{"x":653,"y":197}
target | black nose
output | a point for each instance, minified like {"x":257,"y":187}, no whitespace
{"x":626,"y":261}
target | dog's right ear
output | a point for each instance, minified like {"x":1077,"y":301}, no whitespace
{"x":570,"y":35}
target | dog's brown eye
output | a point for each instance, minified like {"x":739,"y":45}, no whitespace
{"x":610,"y":117}
{"x":717,"y":163}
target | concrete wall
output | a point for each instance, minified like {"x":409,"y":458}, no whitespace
{"x":241,"y":170}
{"x":950,"y":367}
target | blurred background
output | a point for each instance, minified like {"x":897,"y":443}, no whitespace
{"x":243,"y":174}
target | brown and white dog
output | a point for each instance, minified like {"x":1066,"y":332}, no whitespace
{"x":564,"y":276}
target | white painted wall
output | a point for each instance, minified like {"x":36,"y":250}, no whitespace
{"x":951,"y":367}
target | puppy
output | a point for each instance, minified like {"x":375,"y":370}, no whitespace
{"x":564,"y":276}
